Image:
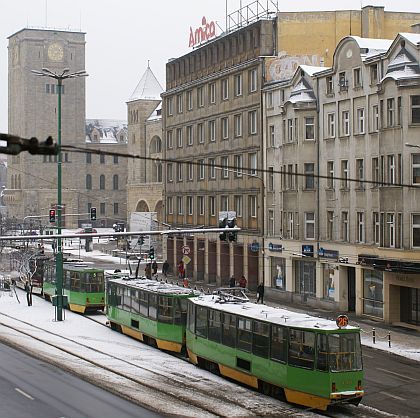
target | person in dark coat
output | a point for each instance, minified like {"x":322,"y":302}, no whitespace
{"x":148,"y":271}
{"x":165,"y":268}
{"x":232,"y":282}
{"x":260,"y":293}
{"x":154,"y":267}
{"x":181,"y":270}
{"x":28,"y":289}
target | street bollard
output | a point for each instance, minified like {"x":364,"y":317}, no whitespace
{"x":374,"y":335}
{"x":389,"y":339}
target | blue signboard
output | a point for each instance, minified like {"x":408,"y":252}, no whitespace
{"x":254,"y":247}
{"x":308,"y":250}
{"x":275,"y":247}
{"x":323,"y":252}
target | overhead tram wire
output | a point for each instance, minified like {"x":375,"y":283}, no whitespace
{"x":72,"y":148}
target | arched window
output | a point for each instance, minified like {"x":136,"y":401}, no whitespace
{"x":88,"y":182}
{"x":102,"y":182}
{"x":115,"y":182}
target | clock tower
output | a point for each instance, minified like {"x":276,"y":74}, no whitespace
{"x":32,"y":179}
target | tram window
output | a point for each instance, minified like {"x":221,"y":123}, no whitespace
{"x":229,"y":330}
{"x":74,"y":281}
{"x":180,"y":311}
{"x":152,"y":306}
{"x":322,"y":352}
{"x":201,"y":322}
{"x":126,"y":305}
{"x":191,"y":317}
{"x":112,"y":295}
{"x":301,"y":348}
{"x":215,"y":326}
{"x":144,"y":303}
{"x":278,"y":343}
{"x":344,"y":352}
{"x":260,"y":339}
{"x":166,"y":309}
{"x":93,"y":282}
{"x":120,"y":291}
{"x":135,"y":301}
{"x":244,"y":335}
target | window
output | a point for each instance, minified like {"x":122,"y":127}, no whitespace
{"x":301,"y":351}
{"x":201,"y":169}
{"x":375,"y":172}
{"x":200,"y":96}
{"x":179,"y":203}
{"x":200,"y":205}
{"x":331,"y":125}
{"x":190,"y":135}
{"x":360,"y":227}
{"x":330,"y":174}
{"x":116,"y":158}
{"x":345,"y":226}
{"x":189,"y":100}
{"x":399,"y":111}
{"x":252,"y":120}
{"x":244,"y":334}
{"x":238,"y":85}
{"x":102,"y":182}
{"x":269,"y":98}
{"x":261,"y":339}
{"x":224,"y":162}
{"x":102,"y":159}
{"x":391,"y":169}
{"x":116,"y":208}
{"x":290,"y":130}
{"x":102,"y":210}
{"x":360,"y":120}
{"x":375,"y":118}
{"x":309,"y":127}
{"x":330,"y":225}
{"x":357,"y":77}
{"x":88,"y":158}
{"x":360,"y":172}
{"x":270,"y":225}
{"x":179,"y":103}
{"x":169,"y":108}
{"x":200,"y":133}
{"x":212,"y":93}
{"x":416,"y":168}
{"x":212,"y":168}
{"x":330,"y":85}
{"x":344,"y":174}
{"x":225,"y":128}
{"x":169,"y":141}
{"x":179,"y":139}
{"x":224,"y":203}
{"x":278,"y":343}
{"x":179,"y":171}
{"x":169,"y":173}
{"x":271,"y":179}
{"x":309,"y":176}
{"x":252,"y":161}
{"x":253,"y":206}
{"x":271,"y":136}
{"x":342,"y":82}
{"x":390,"y":112}
{"x":237,"y":203}
{"x":190,"y":171}
{"x":416,"y":230}
{"x":345,"y":123}
{"x":238,"y":125}
{"x":225,"y":89}
{"x":238,"y":164}
{"x":252,"y":78}
{"x":415,"y":109}
{"x":189,"y":205}
{"x":374,"y":74}
{"x":376,"y":228}
{"x":309,"y":225}
{"x":212,"y":205}
{"x":390,"y":226}
{"x":88,"y":181}
{"x":115,"y":182}
{"x":170,"y":205}
{"x":212,"y":130}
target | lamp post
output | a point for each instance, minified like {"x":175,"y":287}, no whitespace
{"x":59,"y":77}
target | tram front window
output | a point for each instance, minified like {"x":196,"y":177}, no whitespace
{"x":345,"y":352}
{"x":94,"y":282}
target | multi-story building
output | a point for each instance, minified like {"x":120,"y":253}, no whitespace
{"x":345,"y":222}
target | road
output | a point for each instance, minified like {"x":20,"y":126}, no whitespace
{"x":30,"y":388}
{"x":392,"y":383}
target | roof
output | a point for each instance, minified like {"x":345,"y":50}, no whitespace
{"x":414,"y":38}
{"x":370,"y":47}
{"x":312,"y":69}
{"x":108,"y":130}
{"x":269,"y":314}
{"x":148,"y":87}
{"x":403,"y":66}
{"x":157,"y":113}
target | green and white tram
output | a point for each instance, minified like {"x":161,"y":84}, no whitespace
{"x":307,"y":360}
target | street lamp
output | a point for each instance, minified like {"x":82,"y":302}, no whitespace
{"x":59,"y":77}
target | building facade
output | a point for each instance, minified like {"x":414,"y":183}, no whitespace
{"x":340,"y":136}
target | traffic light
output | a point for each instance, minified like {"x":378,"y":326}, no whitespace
{"x":233,"y":235}
{"x":93,"y":214}
{"x":152,"y":253}
{"x":52,"y":215}
{"x":141,"y":240}
{"x":222,"y":224}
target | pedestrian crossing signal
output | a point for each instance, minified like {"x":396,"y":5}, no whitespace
{"x":93,"y":214}
{"x":52,"y":215}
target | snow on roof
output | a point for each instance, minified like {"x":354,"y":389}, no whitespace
{"x":403,"y":66}
{"x":370,"y":47}
{"x":268,"y":313}
{"x":148,"y":87}
{"x":302,"y":92}
{"x":312,"y":69}
{"x":107,"y":129}
{"x":157,"y":113}
{"x":414,"y":38}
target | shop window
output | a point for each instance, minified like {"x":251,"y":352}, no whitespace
{"x":278,"y":272}
{"x":373,"y":296}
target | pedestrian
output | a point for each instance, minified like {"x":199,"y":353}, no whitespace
{"x":154,"y":267}
{"x":181,"y":270}
{"x":28,"y":289}
{"x":260,"y":293}
{"x":242,"y":282}
{"x":185,"y":282}
{"x":148,"y":271}
{"x":232,"y":281}
{"x":165,"y":268}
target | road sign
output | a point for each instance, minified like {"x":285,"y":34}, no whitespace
{"x":186,"y":259}
{"x":186,"y":250}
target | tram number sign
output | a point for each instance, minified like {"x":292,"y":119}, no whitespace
{"x":186,"y":250}
{"x":342,"y":321}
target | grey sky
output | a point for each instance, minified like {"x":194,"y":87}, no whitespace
{"x":121,"y":36}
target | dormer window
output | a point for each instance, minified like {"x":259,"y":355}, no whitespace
{"x":330,"y":85}
{"x":342,"y":82}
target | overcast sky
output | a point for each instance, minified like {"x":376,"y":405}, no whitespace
{"x":121,"y":36}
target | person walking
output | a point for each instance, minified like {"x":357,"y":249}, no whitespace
{"x":28,"y":289}
{"x":148,"y":271}
{"x":232,"y":282}
{"x":154,"y":267}
{"x":181,"y":270}
{"x":165,"y":268}
{"x":242,"y":282}
{"x":260,"y":293}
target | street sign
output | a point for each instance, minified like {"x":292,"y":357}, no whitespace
{"x":186,"y":259}
{"x":186,"y":250}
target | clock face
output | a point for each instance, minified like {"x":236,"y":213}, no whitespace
{"x":55,"y":52}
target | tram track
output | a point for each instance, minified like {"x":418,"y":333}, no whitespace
{"x":211,"y":400}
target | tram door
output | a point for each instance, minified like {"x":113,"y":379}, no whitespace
{"x":351,"y":288}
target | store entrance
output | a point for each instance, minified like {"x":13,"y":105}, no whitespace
{"x":410,"y":305}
